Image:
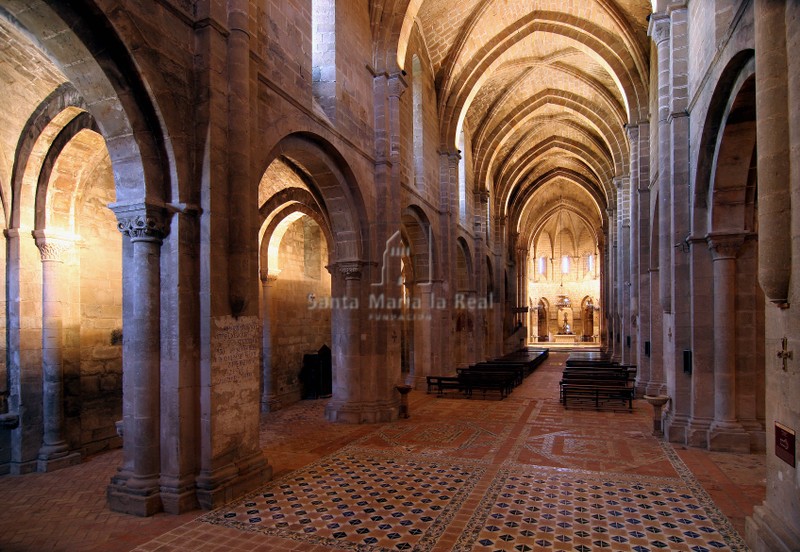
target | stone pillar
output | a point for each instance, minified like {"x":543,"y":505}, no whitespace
{"x":423,"y":325}
{"x":774,"y":156}
{"x":726,"y":433}
{"x":660,"y":31}
{"x":242,"y":200}
{"x":135,"y":490}
{"x":623,"y":266}
{"x":522,"y":282}
{"x":54,"y":453}
{"x":633,"y":354}
{"x":353,"y":393}
{"x":269,"y":401}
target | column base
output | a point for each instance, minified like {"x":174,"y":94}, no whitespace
{"x":697,"y":432}
{"x":728,"y":438}
{"x":137,"y":502}
{"x":270,"y":404}
{"x":54,"y":463}
{"x":361,"y":413}
{"x":21,"y":468}
{"x":764,"y":532}
{"x":232,"y":481}
{"x":178,"y":496}
{"x":675,"y":428}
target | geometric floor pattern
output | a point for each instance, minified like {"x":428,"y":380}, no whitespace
{"x":561,"y":509}
{"x":373,"y":503}
{"x":518,"y":474}
{"x":366,"y":503}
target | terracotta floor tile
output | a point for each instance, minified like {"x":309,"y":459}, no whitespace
{"x":460,"y":474}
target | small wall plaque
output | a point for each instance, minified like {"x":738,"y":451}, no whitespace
{"x":785,"y":444}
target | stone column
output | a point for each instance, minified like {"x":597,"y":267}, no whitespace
{"x":136,"y":489}
{"x":348,"y":402}
{"x":633,"y":248}
{"x":726,"y":433}
{"x":774,"y":156}
{"x":268,"y":397}
{"x":660,"y":31}
{"x":242,"y":199}
{"x":54,"y":453}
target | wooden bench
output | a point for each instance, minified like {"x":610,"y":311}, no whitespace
{"x":519,"y":370}
{"x":440,"y":383}
{"x":597,"y":393}
{"x":484,"y":381}
{"x":598,"y":383}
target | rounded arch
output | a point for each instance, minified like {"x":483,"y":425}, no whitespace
{"x":82,"y":42}
{"x":464,"y":272}
{"x":82,"y":122}
{"x":737,"y":77}
{"x":61,"y":103}
{"x":418,"y":236}
{"x":331,"y":177}
{"x":277,"y":222}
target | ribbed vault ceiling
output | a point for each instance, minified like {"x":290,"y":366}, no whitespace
{"x":545,"y":89}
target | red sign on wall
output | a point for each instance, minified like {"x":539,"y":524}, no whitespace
{"x":785,"y":444}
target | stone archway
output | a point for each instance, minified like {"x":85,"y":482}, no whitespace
{"x":296,"y":287}
{"x":735,"y":384}
{"x":359,"y":394}
{"x":96,"y":89}
{"x":728,"y":376}
{"x":419,"y":310}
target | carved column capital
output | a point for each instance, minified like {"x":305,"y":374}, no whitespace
{"x":453,"y":157}
{"x":351,"y":270}
{"x":268,"y":278}
{"x":724,"y":246}
{"x":659,"y":27}
{"x":141,"y":221}
{"x":52,"y":247}
{"x":397,"y":85}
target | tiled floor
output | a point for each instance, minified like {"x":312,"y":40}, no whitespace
{"x":519,"y":474}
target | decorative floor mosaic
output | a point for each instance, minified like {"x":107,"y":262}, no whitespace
{"x":454,"y":439}
{"x":559,"y":509}
{"x":357,"y":503}
{"x":461,"y":475}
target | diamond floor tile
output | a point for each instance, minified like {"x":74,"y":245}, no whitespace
{"x":351,"y":501}
{"x":558,"y":509}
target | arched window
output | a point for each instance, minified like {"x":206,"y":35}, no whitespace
{"x":417,"y":122}
{"x":323,"y":54}
{"x":543,"y":265}
{"x":565,"y":264}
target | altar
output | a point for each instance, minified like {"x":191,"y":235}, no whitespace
{"x":565,"y":338}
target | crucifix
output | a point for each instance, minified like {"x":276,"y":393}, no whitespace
{"x":783,"y":354}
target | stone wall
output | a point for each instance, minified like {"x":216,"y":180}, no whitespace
{"x":297,"y":328}
{"x":100,"y":322}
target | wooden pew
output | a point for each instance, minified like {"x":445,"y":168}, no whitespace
{"x":597,"y":393}
{"x":598,"y":384}
{"x":484,"y":381}
{"x":441,"y":383}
